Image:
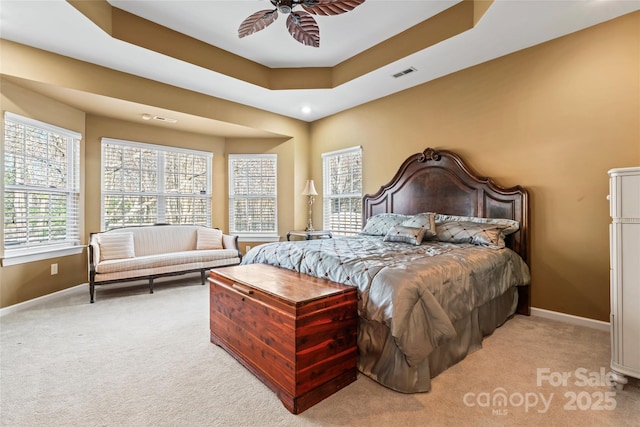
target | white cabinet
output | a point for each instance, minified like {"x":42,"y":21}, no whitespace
{"x":624,"y":200}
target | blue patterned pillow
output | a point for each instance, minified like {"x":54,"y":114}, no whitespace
{"x":508,"y":225}
{"x":423,"y":220}
{"x":490,"y":235}
{"x":380,"y":224}
{"x":399,"y":233}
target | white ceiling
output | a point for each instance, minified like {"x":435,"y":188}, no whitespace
{"x":508,"y":26}
{"x":341,"y":36}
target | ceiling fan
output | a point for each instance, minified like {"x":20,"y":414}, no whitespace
{"x":300,"y":23}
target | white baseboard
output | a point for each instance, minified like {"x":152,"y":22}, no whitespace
{"x":569,"y":318}
{"x":32,"y":302}
{"x":29,"y":303}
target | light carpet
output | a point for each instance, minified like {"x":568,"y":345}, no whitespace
{"x":135,"y":359}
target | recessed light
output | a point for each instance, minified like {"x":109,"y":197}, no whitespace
{"x":146,"y":116}
{"x":306,"y":110}
{"x":165,"y":119}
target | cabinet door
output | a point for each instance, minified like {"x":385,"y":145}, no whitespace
{"x":629,"y":197}
{"x":629,"y":294}
{"x":613,"y":294}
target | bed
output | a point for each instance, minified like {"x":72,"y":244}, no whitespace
{"x":441,"y":262}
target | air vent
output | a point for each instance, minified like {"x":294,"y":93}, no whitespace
{"x":164,"y":119}
{"x":405,"y":72}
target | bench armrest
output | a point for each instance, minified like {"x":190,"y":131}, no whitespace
{"x":93,"y":253}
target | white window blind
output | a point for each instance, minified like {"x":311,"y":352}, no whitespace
{"x":342,"y":199}
{"x":41,"y":187}
{"x":144,"y":184}
{"x":253,"y":194}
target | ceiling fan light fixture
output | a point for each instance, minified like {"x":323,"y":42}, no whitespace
{"x":301,"y":25}
{"x":284,"y":6}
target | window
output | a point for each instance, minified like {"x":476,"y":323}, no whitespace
{"x":41,"y":190}
{"x":144,"y":184}
{"x":253,"y":196}
{"x":342,"y":174}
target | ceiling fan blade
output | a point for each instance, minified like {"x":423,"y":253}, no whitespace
{"x":304,"y":28}
{"x":257,"y":21}
{"x":330,"y":7}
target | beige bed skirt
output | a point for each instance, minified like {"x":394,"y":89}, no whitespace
{"x":382,"y":360}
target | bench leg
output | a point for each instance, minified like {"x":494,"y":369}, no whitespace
{"x":202,"y":276}
{"x":150,"y":285}
{"x":92,"y":290}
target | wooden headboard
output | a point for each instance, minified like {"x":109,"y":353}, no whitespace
{"x":439,"y":181}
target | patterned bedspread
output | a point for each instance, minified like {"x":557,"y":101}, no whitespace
{"x":417,"y":291}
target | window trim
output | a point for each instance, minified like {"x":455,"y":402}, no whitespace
{"x":37,"y":123}
{"x":263,"y":237}
{"x":161,"y":174}
{"x":20,"y":256}
{"x":327,"y":186}
{"x":33,"y":253}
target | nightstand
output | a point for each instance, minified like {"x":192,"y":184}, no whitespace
{"x":308,"y":235}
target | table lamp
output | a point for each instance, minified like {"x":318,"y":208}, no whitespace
{"x":310,"y":191}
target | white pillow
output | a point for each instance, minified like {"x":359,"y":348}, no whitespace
{"x":209,"y":238}
{"x":116,"y":246}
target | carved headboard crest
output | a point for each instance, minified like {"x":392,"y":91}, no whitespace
{"x":429,"y":154}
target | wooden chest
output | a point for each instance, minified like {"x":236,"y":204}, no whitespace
{"x":296,"y":333}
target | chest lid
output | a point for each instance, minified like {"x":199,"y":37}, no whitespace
{"x":288,"y":285}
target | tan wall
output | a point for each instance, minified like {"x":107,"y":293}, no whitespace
{"x":553,"y":118}
{"x":26,"y":281}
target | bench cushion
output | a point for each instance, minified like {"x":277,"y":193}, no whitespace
{"x":165,"y":260}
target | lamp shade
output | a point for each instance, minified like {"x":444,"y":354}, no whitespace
{"x":310,"y":189}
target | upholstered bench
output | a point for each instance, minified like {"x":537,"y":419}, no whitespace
{"x":149,"y":252}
